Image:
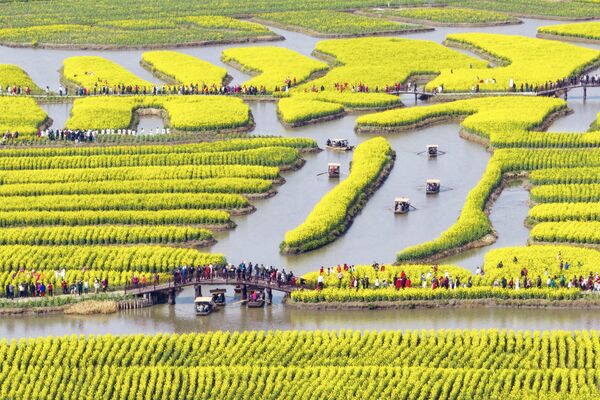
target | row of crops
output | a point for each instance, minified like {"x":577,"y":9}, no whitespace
{"x":75,"y":207}
{"x":152,"y":31}
{"x":417,"y":364}
{"x":389,"y":294}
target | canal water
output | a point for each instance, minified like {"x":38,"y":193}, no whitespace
{"x":233,"y":317}
{"x":376,"y":234}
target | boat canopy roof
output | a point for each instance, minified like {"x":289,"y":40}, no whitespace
{"x":203,"y":300}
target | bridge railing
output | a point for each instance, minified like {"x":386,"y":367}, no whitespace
{"x":213,"y":280}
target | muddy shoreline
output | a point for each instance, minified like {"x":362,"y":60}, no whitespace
{"x":425,"y":123}
{"x":565,"y":38}
{"x":88,"y":306}
{"x":426,"y":22}
{"x":91,"y":46}
{"x":450,"y":303}
{"x":313,"y":121}
{"x":310,"y":32}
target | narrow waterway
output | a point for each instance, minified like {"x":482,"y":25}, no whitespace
{"x":508,"y":218}
{"x":376,"y":234}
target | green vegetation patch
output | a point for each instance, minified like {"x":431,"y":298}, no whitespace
{"x":565,"y":9}
{"x":580,"y":30}
{"x":186,"y":113}
{"x":183,"y":69}
{"x":527,"y":62}
{"x":451,"y":15}
{"x":20,"y":114}
{"x":332,"y":23}
{"x":275,"y":67}
{"x":13,"y":75}
{"x":99,"y":33}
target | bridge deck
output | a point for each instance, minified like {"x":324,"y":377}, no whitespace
{"x":260,"y":283}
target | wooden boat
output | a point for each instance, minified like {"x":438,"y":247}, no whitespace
{"x":218,"y":296}
{"x":256,"y":298}
{"x":432,"y":186}
{"x":333,"y":170}
{"x":338,"y":145}
{"x":401,"y":205}
{"x":432,"y":150}
{"x":204,"y":305}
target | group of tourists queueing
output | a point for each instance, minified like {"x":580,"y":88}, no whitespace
{"x":432,"y":278}
{"x":104,"y":89}
{"x":241,"y":273}
{"x":90,"y":135}
{"x":182,"y":90}
{"x":36,"y":284}
{"x":348,"y":276}
{"x":15,"y":90}
{"x":587,"y":281}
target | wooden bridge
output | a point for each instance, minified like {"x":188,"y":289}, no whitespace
{"x":565,"y":89}
{"x":554,"y":91}
{"x":170,"y":288}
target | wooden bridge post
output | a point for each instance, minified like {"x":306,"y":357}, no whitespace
{"x":269,"y":296}
{"x":584,"y":93}
{"x":171,"y":300}
{"x":244,"y":292}
{"x":416,"y":97}
{"x":566,"y":91}
{"x":198,"y":290}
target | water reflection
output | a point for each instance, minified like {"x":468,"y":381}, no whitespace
{"x":181,"y":319}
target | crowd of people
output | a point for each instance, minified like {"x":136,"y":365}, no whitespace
{"x":90,"y":135}
{"x":360,"y":87}
{"x":103,"y":88}
{"x":589,"y":281}
{"x":401,"y":281}
{"x":434,"y":279}
{"x":158,"y":90}
{"x":242,"y":272}
{"x":35,"y":284}
{"x":15,"y":90}
{"x":8,"y":135}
